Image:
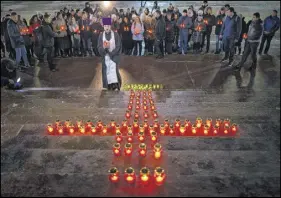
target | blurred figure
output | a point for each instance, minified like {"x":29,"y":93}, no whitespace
{"x":219,"y":20}
{"x":137,"y":31}
{"x":73,"y":27}
{"x":177,"y":33}
{"x":149,"y":34}
{"x":86,"y":35}
{"x":160,"y":34}
{"x":209,"y":20}
{"x":199,"y":29}
{"x":230,"y":33}
{"x":238,"y":49}
{"x":8,"y":44}
{"x":184,"y":23}
{"x":17,"y":41}
{"x":48,"y":41}
{"x":115,"y":26}
{"x":59,"y":25}
{"x":88,"y":9}
{"x":271,"y":25}
{"x":177,"y":12}
{"x":96,"y":29}
{"x":254,"y":35}
{"x":170,"y":33}
{"x":204,"y":6}
{"x":126,"y":36}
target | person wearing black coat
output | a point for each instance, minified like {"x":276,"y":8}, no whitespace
{"x":126,"y":36}
{"x":219,"y":21}
{"x":243,"y":32}
{"x":48,"y":41}
{"x":9,"y":49}
{"x":96,"y":29}
{"x":160,"y":34}
{"x":254,"y":35}
{"x":170,"y":33}
{"x":209,"y":20}
{"x":88,"y":9}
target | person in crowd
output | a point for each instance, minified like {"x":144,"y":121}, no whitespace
{"x":110,"y":48}
{"x":238,"y":47}
{"x":126,"y":35}
{"x":96,"y":29}
{"x":184,"y":23}
{"x":254,"y":35}
{"x":137,"y":31}
{"x":24,"y":30}
{"x":271,"y":25}
{"x":164,"y":14}
{"x":204,"y":6}
{"x":149,"y":34}
{"x":17,"y":41}
{"x":198,"y":31}
{"x":34,"y":23}
{"x":8,"y":44}
{"x":209,"y":20}
{"x":160,"y":34}
{"x":59,"y":25}
{"x":177,"y":34}
{"x":115,"y":24}
{"x":128,"y":14}
{"x":230,"y":33}
{"x":190,"y":15}
{"x":170,"y":8}
{"x":88,"y":9}
{"x":121,"y":14}
{"x":219,"y":20}
{"x":170,"y":34}
{"x":48,"y":41}
{"x":86,"y":35}
{"x":73,"y":27}
{"x":194,"y":16}
{"x":176,"y":11}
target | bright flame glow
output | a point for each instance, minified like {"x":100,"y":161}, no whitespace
{"x":129,"y":178}
{"x":157,"y":154}
{"x":18,"y":80}
{"x":116,"y":151}
{"x":114,"y":178}
{"x":159,"y":179}
{"x":144,"y":178}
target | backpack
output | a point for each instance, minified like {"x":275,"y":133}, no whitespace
{"x":38,"y":35}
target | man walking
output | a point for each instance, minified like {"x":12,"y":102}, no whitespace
{"x":230,"y":34}
{"x":17,"y":41}
{"x":271,"y":25}
{"x":254,"y":34}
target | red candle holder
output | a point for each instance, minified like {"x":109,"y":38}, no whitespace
{"x":182,"y":130}
{"x":136,"y":115}
{"x":57,"y":123}
{"x":99,"y":125}
{"x":104,"y":130}
{"x":159,"y":176}
{"x":130,"y":107}
{"x":113,"y":127}
{"x":162,"y":130}
{"x":130,"y":136}
{"x":117,"y":149}
{"x":89,"y":124}
{"x":152,"y":107}
{"x":209,"y":122}
{"x":177,"y":124}
{"x":124,"y":128}
{"x":118,"y":137}
{"x":151,"y":129}
{"x":166,"y":123}
{"x":128,"y":149}
{"x":156,"y":126}
{"x":113,"y":175}
{"x":137,"y":107}
{"x":93,"y":130}
{"x":194,"y":129}
{"x":71,"y":129}
{"x":67,"y":123}
{"x":216,"y":130}
{"x":153,"y":137}
{"x":82,"y":130}
{"x":171,"y":130}
{"x":199,"y":122}
{"x":145,"y":127}
{"x":133,"y":93}
{"x":142,"y":149}
{"x":130,"y":175}
{"x":50,"y":129}
{"x":137,"y":102}
{"x":60,"y":129}
{"x":141,"y":137}
{"x":226,"y":122}
{"x":155,"y":115}
{"x":218,"y":122}
{"x":206,"y":130}
{"x":127,"y":115}
{"x":157,"y":151}
{"x":226,"y":130}
{"x":145,"y":115}
{"x":136,"y":127}
{"x":233,"y":129}
{"x":144,"y":175}
{"x":131,"y":102}
{"x":187,"y":124}
{"x":144,"y":102}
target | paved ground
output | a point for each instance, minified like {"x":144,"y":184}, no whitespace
{"x":36,"y":164}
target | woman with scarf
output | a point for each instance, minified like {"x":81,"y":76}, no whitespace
{"x":149,"y":34}
{"x":137,"y":31}
{"x":198,"y":30}
{"x":110,"y":48}
{"x":75,"y":36}
{"x":126,"y":36}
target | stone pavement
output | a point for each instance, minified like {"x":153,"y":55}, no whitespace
{"x":36,"y":164}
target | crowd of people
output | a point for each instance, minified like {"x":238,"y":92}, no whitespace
{"x":76,"y":32}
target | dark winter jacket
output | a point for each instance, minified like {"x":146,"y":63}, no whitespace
{"x":184,"y":23}
{"x":170,"y":31}
{"x":271,"y":24}
{"x":48,"y":34}
{"x":96,"y":29}
{"x":255,"y":31}
{"x":244,"y":29}
{"x":210,"y":21}
{"x":84,"y":26}
{"x":219,"y":21}
{"x":16,"y":38}
{"x":160,"y":28}
{"x":231,"y":27}
{"x":125,"y":31}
